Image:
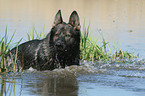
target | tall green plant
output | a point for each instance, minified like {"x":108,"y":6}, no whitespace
{"x":4,"y":47}
{"x":91,"y":50}
{"x":34,"y":34}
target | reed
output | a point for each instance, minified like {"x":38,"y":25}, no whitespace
{"x":4,"y":48}
{"x":91,"y":50}
{"x":35,"y":35}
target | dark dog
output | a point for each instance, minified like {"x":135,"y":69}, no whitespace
{"x":60,"y":48}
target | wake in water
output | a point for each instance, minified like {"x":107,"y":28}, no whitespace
{"x":75,"y":80}
{"x":87,"y":67}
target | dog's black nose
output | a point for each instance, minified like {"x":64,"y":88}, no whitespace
{"x":58,"y":44}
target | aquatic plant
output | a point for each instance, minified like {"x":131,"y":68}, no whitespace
{"x":35,"y":35}
{"x":4,"y":48}
{"x":90,"y":49}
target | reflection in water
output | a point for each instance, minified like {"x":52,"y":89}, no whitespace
{"x":30,"y":83}
{"x":113,"y":17}
{"x":54,"y":87}
{"x":115,"y":79}
{"x":59,"y":82}
{"x":3,"y":84}
{"x":7,"y":86}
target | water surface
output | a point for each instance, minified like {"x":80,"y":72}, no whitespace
{"x":101,"y":79}
{"x":120,"y":21}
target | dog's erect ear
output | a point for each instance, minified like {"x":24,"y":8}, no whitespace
{"x":58,"y":18}
{"x":74,"y":20}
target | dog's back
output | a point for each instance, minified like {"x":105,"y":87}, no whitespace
{"x":26,"y":52}
{"x":60,"y":48}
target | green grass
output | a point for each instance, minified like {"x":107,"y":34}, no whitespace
{"x":35,"y":35}
{"x":91,"y":50}
{"x":4,"y":48}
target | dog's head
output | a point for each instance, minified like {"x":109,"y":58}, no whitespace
{"x":65,"y":36}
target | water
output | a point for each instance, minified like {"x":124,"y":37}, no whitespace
{"x":111,"y":79}
{"x":120,"y":21}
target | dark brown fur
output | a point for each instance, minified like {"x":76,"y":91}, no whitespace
{"x":60,"y":48}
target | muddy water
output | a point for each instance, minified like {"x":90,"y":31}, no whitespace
{"x":120,"y":21}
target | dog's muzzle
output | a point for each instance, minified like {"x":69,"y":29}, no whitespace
{"x":59,"y":45}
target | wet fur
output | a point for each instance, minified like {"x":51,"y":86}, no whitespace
{"x":60,"y":48}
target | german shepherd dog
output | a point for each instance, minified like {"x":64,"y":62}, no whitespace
{"x":60,"y":48}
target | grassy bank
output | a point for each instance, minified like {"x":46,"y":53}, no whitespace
{"x":90,"y":49}
{"x":96,"y":51}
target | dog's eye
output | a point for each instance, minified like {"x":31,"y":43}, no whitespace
{"x":57,"y":34}
{"x":68,"y":35}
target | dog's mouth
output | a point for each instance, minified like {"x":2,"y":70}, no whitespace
{"x":59,"y":48}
